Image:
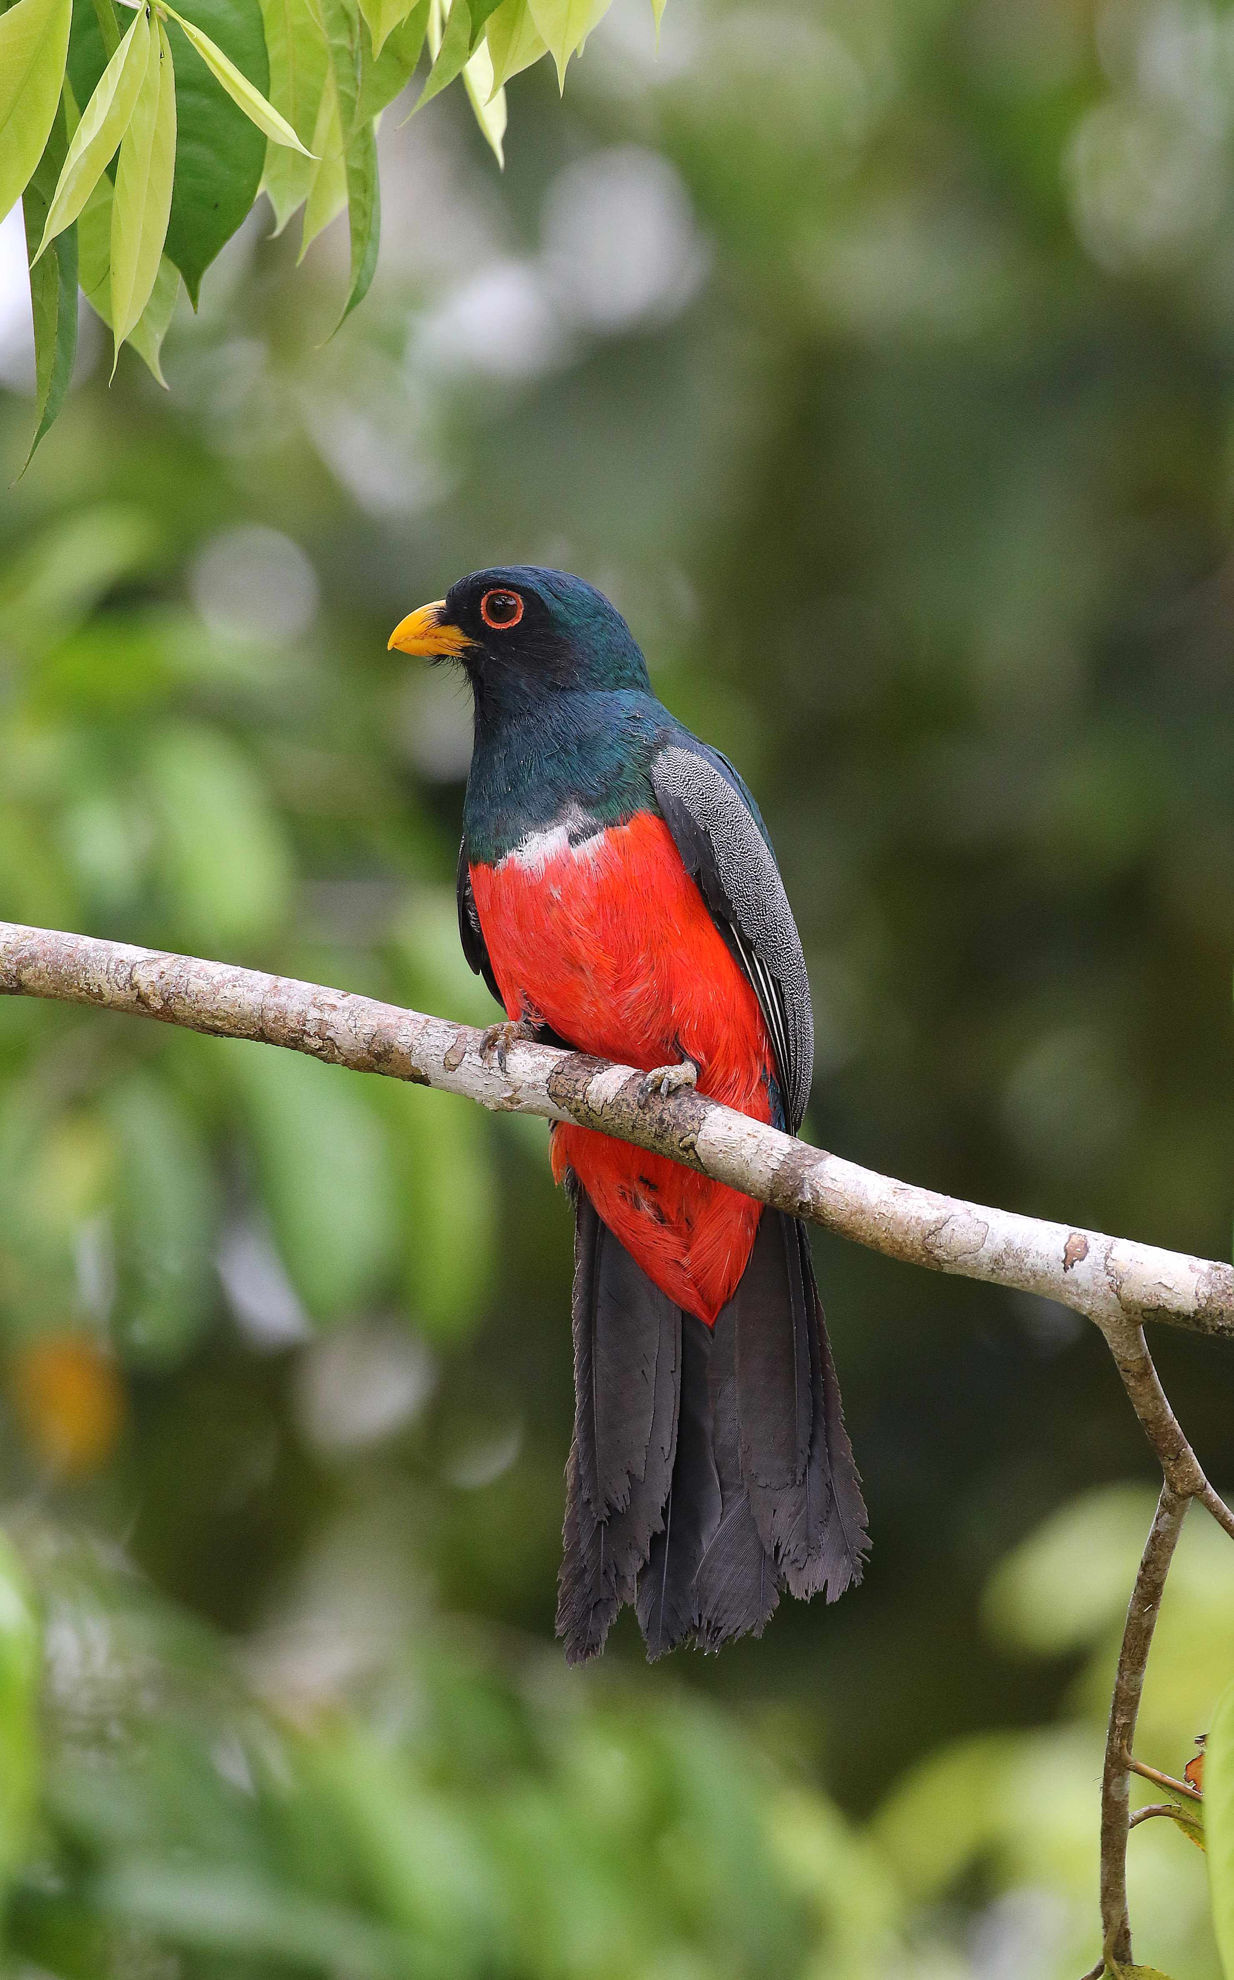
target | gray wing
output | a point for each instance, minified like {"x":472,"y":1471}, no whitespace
{"x":470,"y":932}
{"x":720,"y":837}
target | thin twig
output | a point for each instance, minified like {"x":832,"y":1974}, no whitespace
{"x":1152,"y":1808}
{"x":1179,"y":1464}
{"x":1116,"y":1283}
{"x":1183,"y":1480}
{"x":1159,"y":1779}
{"x":1142,"y":1615}
{"x":1213,"y":1503}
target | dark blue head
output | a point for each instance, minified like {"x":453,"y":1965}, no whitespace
{"x":522,"y":632}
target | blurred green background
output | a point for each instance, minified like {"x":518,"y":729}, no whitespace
{"x":877,"y":359}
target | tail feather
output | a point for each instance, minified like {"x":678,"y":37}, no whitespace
{"x":627,"y":1365}
{"x":710,"y":1468}
{"x":587,"y":1601}
{"x":846,"y":1538}
{"x":629,"y":1319}
{"x":774,"y":1363}
{"x":737,"y":1585}
{"x":806,"y":1502}
{"x":667,"y":1610}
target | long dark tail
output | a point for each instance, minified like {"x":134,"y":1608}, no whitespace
{"x":710,"y":1468}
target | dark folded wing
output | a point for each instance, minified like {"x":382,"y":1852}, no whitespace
{"x":470,"y":932}
{"x":722,"y":840}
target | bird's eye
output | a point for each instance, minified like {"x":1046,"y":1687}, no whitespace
{"x":501,"y":609}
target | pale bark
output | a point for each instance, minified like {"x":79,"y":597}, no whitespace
{"x":1113,"y":1281}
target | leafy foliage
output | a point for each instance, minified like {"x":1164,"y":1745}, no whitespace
{"x":203,"y":108}
{"x":1219,"y":1822}
{"x":33,"y":44}
{"x":20,"y":1678}
{"x":458,"y":1824}
{"x":912,"y":471}
{"x":419,"y":1800}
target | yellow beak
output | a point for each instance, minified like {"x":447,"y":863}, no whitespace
{"x":426,"y":634}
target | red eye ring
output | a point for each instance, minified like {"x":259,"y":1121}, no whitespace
{"x":501,"y":609}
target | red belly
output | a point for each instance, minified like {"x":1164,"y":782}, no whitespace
{"x":610,"y":943}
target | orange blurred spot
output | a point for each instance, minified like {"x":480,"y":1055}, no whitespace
{"x":70,"y":1402}
{"x":1193,"y":1772}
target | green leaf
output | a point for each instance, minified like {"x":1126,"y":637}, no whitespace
{"x":34,"y":41}
{"x":141,"y":203}
{"x":53,"y":289}
{"x":945,"y":1812}
{"x":565,"y":25}
{"x":1066,"y":1582}
{"x":451,"y":55}
{"x":219,"y":150}
{"x":514,"y":41}
{"x":1219,"y":1824}
{"x":381,"y":17}
{"x":488,"y":104}
{"x":450,"y":1223}
{"x":324,"y":1164}
{"x":327,"y":189}
{"x":94,"y":250}
{"x":336,"y":122}
{"x":424,"y":1864}
{"x":384,"y":76}
{"x":344,"y":36}
{"x":480,"y":11}
{"x":54,"y":585}
{"x":299,"y":65}
{"x":242,"y":1913}
{"x":363,"y":214}
{"x":1189,"y":1817}
{"x":221,"y":851}
{"x":94,"y":276}
{"x":104,"y":121}
{"x":360,"y":84}
{"x":147,"y":334}
{"x":165,"y":1223}
{"x":255,"y":106}
{"x":19,"y":1682}
{"x":109,"y":26}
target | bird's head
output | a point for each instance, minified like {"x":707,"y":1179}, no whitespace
{"x":521,"y":631}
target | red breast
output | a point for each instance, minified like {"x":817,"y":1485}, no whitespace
{"x":609,"y":941}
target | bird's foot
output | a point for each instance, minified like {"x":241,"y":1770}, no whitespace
{"x":668,"y":1079}
{"x":496,"y":1039}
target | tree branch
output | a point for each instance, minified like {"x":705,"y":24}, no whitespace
{"x":1153,"y":1808}
{"x":1128,"y":1684}
{"x":1111,"y":1281}
{"x":1155,"y":1775}
{"x":1114,"y":1283}
{"x":1183,"y":1480}
{"x":1180,"y":1467}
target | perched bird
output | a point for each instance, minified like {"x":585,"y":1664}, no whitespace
{"x":618,"y":893}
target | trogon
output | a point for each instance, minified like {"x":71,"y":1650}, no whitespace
{"x":618,"y":892}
